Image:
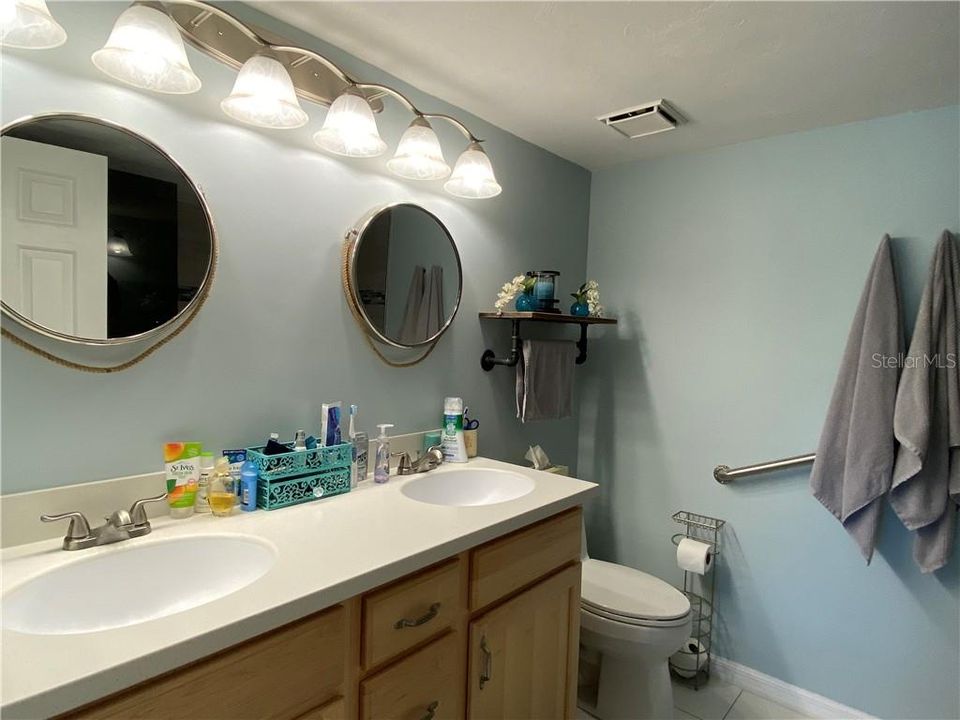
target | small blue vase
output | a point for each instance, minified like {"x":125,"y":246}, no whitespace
{"x":580,"y":309}
{"x":525,"y":302}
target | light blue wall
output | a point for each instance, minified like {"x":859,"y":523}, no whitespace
{"x":735,"y":274}
{"x":275,"y":339}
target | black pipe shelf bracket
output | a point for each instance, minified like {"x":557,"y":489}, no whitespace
{"x":489,"y":360}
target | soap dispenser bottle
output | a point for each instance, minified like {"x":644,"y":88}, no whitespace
{"x":381,"y":471}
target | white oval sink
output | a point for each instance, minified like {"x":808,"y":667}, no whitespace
{"x":474,"y":486}
{"x":135,"y":584}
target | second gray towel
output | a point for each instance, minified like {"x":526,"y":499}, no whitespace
{"x":545,"y":380}
{"x":926,"y":477}
{"x":855,"y":456}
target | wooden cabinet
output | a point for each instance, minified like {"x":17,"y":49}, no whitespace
{"x":427,"y":684}
{"x":490,"y":633}
{"x":509,"y":563}
{"x":281,"y":674}
{"x":409,"y":611}
{"x":523,"y":653}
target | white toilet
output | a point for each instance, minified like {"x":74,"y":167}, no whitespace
{"x":635,"y":622}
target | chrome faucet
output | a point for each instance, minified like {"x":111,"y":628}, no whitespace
{"x":119,"y":525}
{"x":431,"y":459}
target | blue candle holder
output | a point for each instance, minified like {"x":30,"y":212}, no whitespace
{"x":544,"y":287}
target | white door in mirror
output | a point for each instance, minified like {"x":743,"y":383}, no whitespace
{"x":127,"y":586}
{"x":55,"y":231}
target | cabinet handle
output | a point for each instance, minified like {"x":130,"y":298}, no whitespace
{"x":431,"y":710}
{"x":486,"y":671}
{"x":425,"y":618}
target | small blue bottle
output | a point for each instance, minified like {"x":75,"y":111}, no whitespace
{"x":248,"y":486}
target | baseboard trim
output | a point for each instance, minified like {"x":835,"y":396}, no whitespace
{"x":791,"y":696}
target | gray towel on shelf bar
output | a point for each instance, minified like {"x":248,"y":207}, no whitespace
{"x":926,"y":477}
{"x":545,"y":380}
{"x":854,"y":463}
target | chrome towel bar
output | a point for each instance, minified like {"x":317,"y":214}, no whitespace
{"x":725,"y":474}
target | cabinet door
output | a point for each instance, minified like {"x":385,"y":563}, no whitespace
{"x":523,"y":654}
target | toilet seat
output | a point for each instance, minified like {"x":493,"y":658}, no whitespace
{"x":630,"y":596}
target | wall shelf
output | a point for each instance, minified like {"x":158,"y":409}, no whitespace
{"x":489,"y":360}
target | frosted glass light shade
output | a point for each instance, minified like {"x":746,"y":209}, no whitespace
{"x":145,"y":50}
{"x":349,"y":128}
{"x":263,"y":95}
{"x":28,"y":24}
{"x":419,"y":156}
{"x":117,"y":246}
{"x":473,"y":175}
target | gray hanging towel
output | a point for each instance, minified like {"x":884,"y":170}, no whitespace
{"x":926,"y":477}
{"x":855,"y":456}
{"x":545,"y":380}
{"x":430,"y":315}
{"x":409,"y":333}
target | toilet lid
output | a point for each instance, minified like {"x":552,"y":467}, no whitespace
{"x":624,"y":591}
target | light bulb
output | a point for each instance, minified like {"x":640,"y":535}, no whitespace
{"x":350,"y":128}
{"x":145,"y":50}
{"x":28,"y":24}
{"x":472,"y":176}
{"x":117,"y":246}
{"x":263,"y":95}
{"x":418,"y":155}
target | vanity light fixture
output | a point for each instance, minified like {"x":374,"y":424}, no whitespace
{"x":145,"y":50}
{"x":473,"y":176}
{"x":419,"y":155}
{"x":263,"y":95}
{"x":28,"y":25}
{"x":350,"y":128}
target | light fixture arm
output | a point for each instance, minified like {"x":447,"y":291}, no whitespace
{"x":207,"y":10}
{"x":329,"y":64}
{"x":405,"y":101}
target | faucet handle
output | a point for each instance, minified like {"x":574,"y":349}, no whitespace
{"x":138,"y":516}
{"x":79,"y":527}
{"x":403,"y":466}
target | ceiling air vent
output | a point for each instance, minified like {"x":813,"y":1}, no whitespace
{"x":642,"y":120}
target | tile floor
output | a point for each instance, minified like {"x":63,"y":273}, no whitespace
{"x":721,"y":701}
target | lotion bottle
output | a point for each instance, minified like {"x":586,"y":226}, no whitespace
{"x":381,"y":470}
{"x":451,"y":438}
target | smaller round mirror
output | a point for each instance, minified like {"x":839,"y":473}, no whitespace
{"x":404,"y":277}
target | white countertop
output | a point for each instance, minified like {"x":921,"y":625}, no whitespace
{"x":327,"y":552}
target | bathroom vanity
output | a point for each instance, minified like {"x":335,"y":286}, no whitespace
{"x":421,"y":610}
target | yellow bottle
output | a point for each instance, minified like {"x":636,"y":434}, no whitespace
{"x":222,"y":493}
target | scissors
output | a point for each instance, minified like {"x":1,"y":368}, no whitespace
{"x":468,"y":423}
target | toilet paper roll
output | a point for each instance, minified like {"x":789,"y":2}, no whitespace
{"x":689,"y":659}
{"x":694,"y":556}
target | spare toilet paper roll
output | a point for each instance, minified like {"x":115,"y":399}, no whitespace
{"x":694,"y":556}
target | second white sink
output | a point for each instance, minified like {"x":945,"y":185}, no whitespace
{"x":129,"y":585}
{"x":468,"y":487}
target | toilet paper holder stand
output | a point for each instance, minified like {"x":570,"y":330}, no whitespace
{"x":691,"y":664}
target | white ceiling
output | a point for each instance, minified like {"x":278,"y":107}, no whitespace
{"x":737,"y":70}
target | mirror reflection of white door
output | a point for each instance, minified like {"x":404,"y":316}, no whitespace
{"x":54,"y":241}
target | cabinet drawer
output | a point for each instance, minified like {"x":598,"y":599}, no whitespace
{"x":509,"y":563}
{"x":428,"y":685}
{"x":281,"y":674}
{"x":401,"y":615}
